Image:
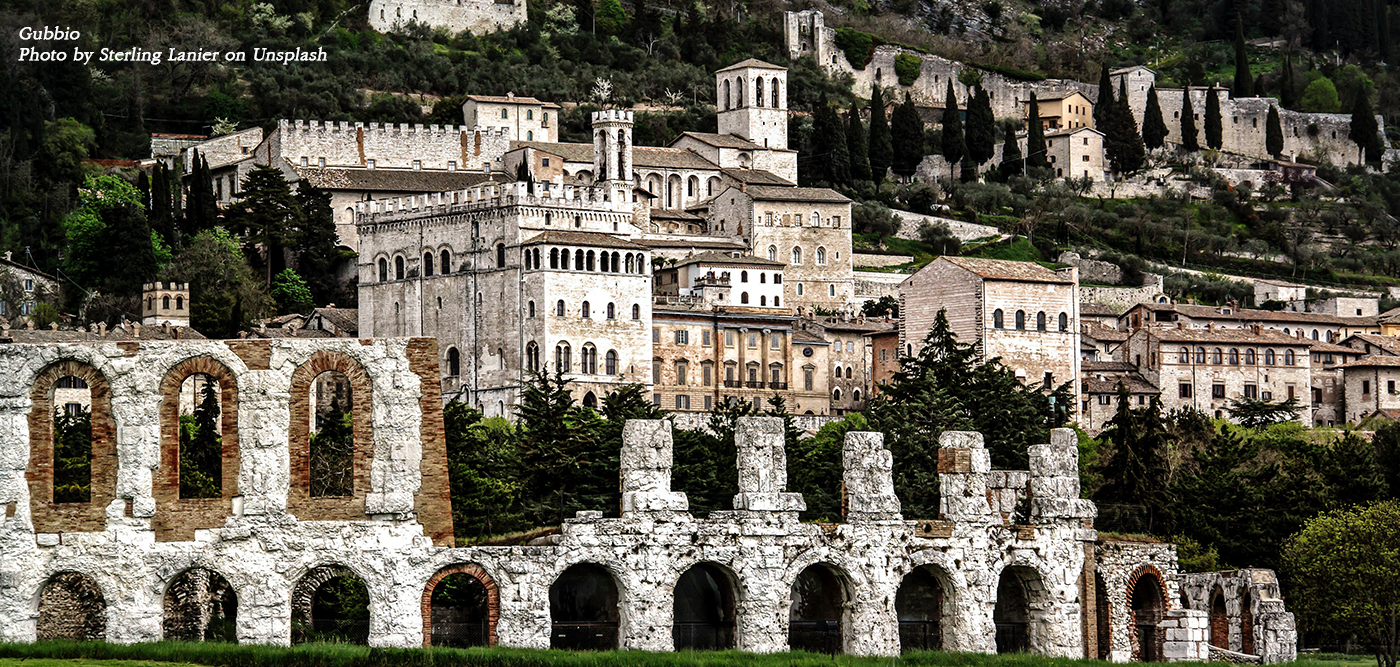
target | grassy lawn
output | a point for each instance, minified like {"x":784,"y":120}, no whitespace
{"x":58,"y":662}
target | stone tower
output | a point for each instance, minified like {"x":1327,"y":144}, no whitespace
{"x":165,"y":302}
{"x":752,"y":101}
{"x":612,"y":145}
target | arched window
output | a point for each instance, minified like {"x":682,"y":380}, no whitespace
{"x":1269,"y":357}
{"x":559,"y":308}
{"x":816,"y":219}
{"x":691,"y":185}
{"x":726,"y":94}
{"x":776,"y":300}
{"x":445,"y":259}
{"x":762,"y":277}
{"x":383,"y":270}
{"x":1217,"y":356}
{"x":821,"y":255}
{"x":762,"y":300}
{"x":772,"y":253}
{"x":454,"y":362}
{"x":165,"y":302}
{"x":398,"y":268}
{"x":629,"y":262}
{"x":1249,"y":357}
{"x":744,"y":297}
{"x":1020,"y":320}
{"x":500,"y":255}
{"x":636,"y":311}
{"x":532,"y":310}
{"x":616,"y":262}
{"x":532,"y":356}
{"x":743,"y":277}
{"x":796,"y":255}
{"x":427,"y":265}
{"x":1064,"y":322}
{"x":612,"y":311}
{"x":1235,"y":356}
{"x":739,"y":92}
{"x":563,"y":358}
{"x":1040,"y":321}
{"x":554,"y":258}
{"x":774,"y":84}
{"x":998,"y":319}
{"x":585,"y":312}
{"x":1314,"y":334}
{"x":590,"y":359}
{"x":591,"y":263}
{"x":505,"y":113}
{"x":179,"y":303}
{"x":1183,"y":356}
{"x":1200,"y":355}
{"x":836,"y":394}
{"x":610,"y":362}
{"x":525,"y":258}
{"x":1288,"y":358}
{"x":641,"y":264}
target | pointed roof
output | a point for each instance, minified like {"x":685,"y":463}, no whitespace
{"x":752,"y":63}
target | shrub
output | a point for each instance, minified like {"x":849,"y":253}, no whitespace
{"x":908,"y":66}
{"x":858,"y":46}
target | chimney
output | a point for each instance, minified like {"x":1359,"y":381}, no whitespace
{"x":136,"y":329}
{"x":177,"y":333}
{"x":102,"y":329}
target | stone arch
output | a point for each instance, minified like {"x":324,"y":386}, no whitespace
{"x":199,"y":604}
{"x":921,"y":605}
{"x":819,"y":611}
{"x":300,"y":502}
{"x":585,"y":607}
{"x":705,"y":605}
{"x":1246,"y":621}
{"x":492,"y":602}
{"x":48,"y":516}
{"x":1147,"y":601}
{"x":304,"y":597}
{"x":71,"y":605}
{"x":1219,"y":620}
{"x":177,"y":518}
{"x":1021,"y":608}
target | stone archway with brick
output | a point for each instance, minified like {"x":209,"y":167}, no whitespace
{"x":177,"y":518}
{"x":493,"y":599}
{"x":1156,"y":577}
{"x":304,"y":595}
{"x":300,"y":502}
{"x":47,"y":515}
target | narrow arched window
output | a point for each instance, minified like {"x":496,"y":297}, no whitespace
{"x":612,"y":314}
{"x":383,"y":270}
{"x":532,"y":356}
{"x":636,"y":311}
{"x":998,"y":319}
{"x":610,"y":362}
{"x":1235,"y":356}
{"x":1183,"y":356}
{"x":454,"y":362}
{"x":398,"y":268}
{"x":744,"y":297}
{"x":445,"y":259}
{"x":1249,"y":358}
{"x":743,"y":278}
{"x":559,"y":308}
{"x":1200,"y":355}
{"x":796,"y":255}
{"x":500,"y":255}
{"x":1288,"y":358}
{"x":758,"y":91}
{"x":532,"y":310}
{"x":774,"y":83}
{"x":165,"y":302}
{"x":585,"y":310}
{"x":563,"y":357}
{"x":772,"y":253}
{"x":821,"y":255}
{"x":1040,"y":321}
{"x":179,"y":303}
{"x":591,"y":258}
{"x":1217,"y":356}
{"x":1064,"y":322}
{"x":427,"y":265}
{"x":1269,"y":357}
{"x":726,"y":94}
{"x":1021,"y":320}
{"x":589,"y":360}
{"x":578,"y":260}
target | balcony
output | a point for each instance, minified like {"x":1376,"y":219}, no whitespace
{"x":753,"y":384}
{"x":676,"y":300}
{"x":777,"y":385}
{"x":732,"y":384}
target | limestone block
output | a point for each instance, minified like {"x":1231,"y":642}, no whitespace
{"x":770,"y":502}
{"x":652,"y":501}
{"x":646,"y":456}
{"x":762,"y":456}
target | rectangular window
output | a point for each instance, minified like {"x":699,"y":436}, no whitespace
{"x":775,"y":341}
{"x":1049,"y":379}
{"x":836,"y":222}
{"x":753,"y":340}
{"x":72,"y":409}
{"x":1183,"y":390}
{"x":729,"y":339}
{"x":707,"y":374}
{"x":1291,"y":394}
{"x":544,"y":162}
{"x":29,"y":284}
{"x":1217,"y":391}
{"x":1105,"y":399}
{"x":1390,"y":386}
{"x":1316,"y":395}
{"x":807,"y":379}
{"x":1268,"y":396}
{"x":1251,"y":391}
{"x":705,"y":337}
{"x":656,"y":334}
{"x":656,"y":400}
{"x":369,"y":164}
{"x":682,"y":337}
{"x":682,"y":402}
{"x":417,"y":164}
{"x":709,"y":403}
{"x":1365,"y":386}
{"x":451,"y":165}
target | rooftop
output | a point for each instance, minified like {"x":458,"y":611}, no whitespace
{"x":1241,"y":336}
{"x":755,"y":177}
{"x":721,"y":140}
{"x":393,"y":180}
{"x":1374,"y":361}
{"x":511,"y":99}
{"x":1002,"y":269}
{"x":712,"y":257}
{"x":781,"y":193}
{"x":594,"y":239}
{"x":752,"y":62}
{"x":1257,"y":315}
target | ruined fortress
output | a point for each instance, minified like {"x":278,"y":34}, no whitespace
{"x":478,"y":16}
{"x":1012,"y":562}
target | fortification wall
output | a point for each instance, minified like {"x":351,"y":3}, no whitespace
{"x":478,"y":16}
{"x":390,"y":146}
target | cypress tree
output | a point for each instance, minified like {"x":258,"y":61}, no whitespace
{"x":1288,"y":90}
{"x":954,"y":148}
{"x":1273,"y":133}
{"x":881,"y":146}
{"x":856,"y":146}
{"x":981,"y":134}
{"x":1035,"y":138}
{"x":1154,"y":129}
{"x":316,"y":242}
{"x":1010,"y":156}
{"x":1125,"y":148}
{"x":907,"y":132}
{"x":1215,"y":128}
{"x":839,"y":167}
{"x":131,"y":259}
{"x":1104,"y":106}
{"x":1363,"y":126}
{"x":1189,"y":139}
{"x":1244,"y":81}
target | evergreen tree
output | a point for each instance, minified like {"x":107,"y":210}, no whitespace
{"x":954,"y":148}
{"x":1154,"y":129}
{"x":267,"y":215}
{"x":158,"y":212}
{"x":331,"y":459}
{"x":856,"y":146}
{"x":1125,"y":148}
{"x":1215,"y":127}
{"x":1363,"y":126}
{"x":1288,"y":86}
{"x":839,"y":164}
{"x":981,"y":128}
{"x":556,"y":449}
{"x":1035,"y":138}
{"x":316,"y":242}
{"x":1383,"y":38}
{"x":828,"y":148}
{"x":1103,"y":107}
{"x":1011,"y":163}
{"x":202,"y":210}
{"x":201,"y":447}
{"x":1189,"y":139}
{"x":907,"y":133}
{"x":1244,"y":81}
{"x":881,"y":144}
{"x":1273,"y":133}
{"x":129,"y":253}
{"x":1134,"y":467}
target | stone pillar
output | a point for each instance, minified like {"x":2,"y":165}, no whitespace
{"x":963,"y":465}
{"x":264,"y":420}
{"x":646,"y":469}
{"x":1185,"y":635}
{"x":1055,"y":480}
{"x":869,"y":479}
{"x":1276,"y":631}
{"x":14,"y":461}
{"x":763,"y":468}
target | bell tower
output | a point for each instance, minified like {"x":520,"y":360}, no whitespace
{"x":752,"y":100}
{"x":612,"y":145}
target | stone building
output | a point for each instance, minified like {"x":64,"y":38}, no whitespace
{"x":1370,"y":388}
{"x":478,"y":16}
{"x":852,"y":357}
{"x":1064,"y":111}
{"x":165,"y":303}
{"x":23,"y":288}
{"x":524,"y":118}
{"x":1020,"y":312}
{"x":1313,"y":326}
{"x":808,"y":228}
{"x":722,"y":279}
{"x":884,"y":356}
{"x":1077,"y":153}
{"x":1099,"y":388}
{"x":1012,"y":562}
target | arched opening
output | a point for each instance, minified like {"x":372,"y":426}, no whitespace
{"x":583,"y":610}
{"x":1012,"y":613}
{"x":454,"y":357}
{"x":445,"y":259}
{"x":461,"y":605}
{"x":72,"y":453}
{"x":1101,"y":618}
{"x":383,"y":270}
{"x":590,"y":400}
{"x":71,"y":399}
{"x":919,"y":606}
{"x":705,"y":609}
{"x":398,"y":268}
{"x":1146,"y":601}
{"x":816,"y":617}
{"x":332,"y":455}
{"x":1219,"y":620}
{"x":200,"y":605}
{"x":1247,"y":621}
{"x":71,"y":606}
{"x":330,"y":604}
{"x":428,"y":264}
{"x":201,"y":438}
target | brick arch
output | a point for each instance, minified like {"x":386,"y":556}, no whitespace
{"x":1139,"y":573}
{"x":304,"y":594}
{"x":299,"y":499}
{"x":177,"y":518}
{"x":46,"y":515}
{"x":493,"y":599}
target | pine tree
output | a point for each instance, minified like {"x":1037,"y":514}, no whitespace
{"x":1189,"y":138}
{"x":1363,"y":126}
{"x":881,"y":145}
{"x":1154,"y":129}
{"x":1215,"y":128}
{"x":1273,"y":133}
{"x":1125,"y":147}
{"x":158,"y":212}
{"x":1035,"y":138}
{"x":856,"y":146}
{"x":981,"y":128}
{"x":1244,"y":81}
{"x":316,"y":242}
{"x":1011,"y":164}
{"x":267,"y":214}
{"x":954,"y":148}
{"x":1134,"y":468}
{"x":1104,"y":106}
{"x":1288,"y":87}
{"x":907,"y":133}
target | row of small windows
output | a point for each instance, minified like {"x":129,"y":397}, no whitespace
{"x":443,"y":261}
{"x":586,"y":310}
{"x":795,"y":219}
{"x":602,"y":261}
{"x":1219,"y":356}
{"x":165,"y":302}
{"x":682,"y":337}
{"x":735,"y":91}
{"x":731,"y":373}
{"x":564,"y":359}
{"x":1041,"y":321}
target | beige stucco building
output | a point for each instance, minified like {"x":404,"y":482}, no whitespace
{"x":1064,"y":111}
{"x":1076,"y":153}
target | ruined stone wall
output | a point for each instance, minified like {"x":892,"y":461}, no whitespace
{"x":1257,"y":622}
{"x":390,"y":146}
{"x":478,"y":16}
{"x":1119,"y":566}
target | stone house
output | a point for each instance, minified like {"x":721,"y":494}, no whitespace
{"x":524,"y":118}
{"x":1076,"y":153}
{"x":230,"y":159}
{"x":1370,"y":387}
{"x":1064,"y":111}
{"x":22,"y":288}
{"x":1100,"y":343}
{"x":1328,"y":405}
{"x":1313,"y":326}
{"x":1099,"y":389}
{"x":851,"y":356}
{"x":884,"y":355}
{"x":1021,"y":312}
{"x":1207,"y":369}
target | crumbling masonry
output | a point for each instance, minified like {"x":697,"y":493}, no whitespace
{"x":1012,"y":562}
